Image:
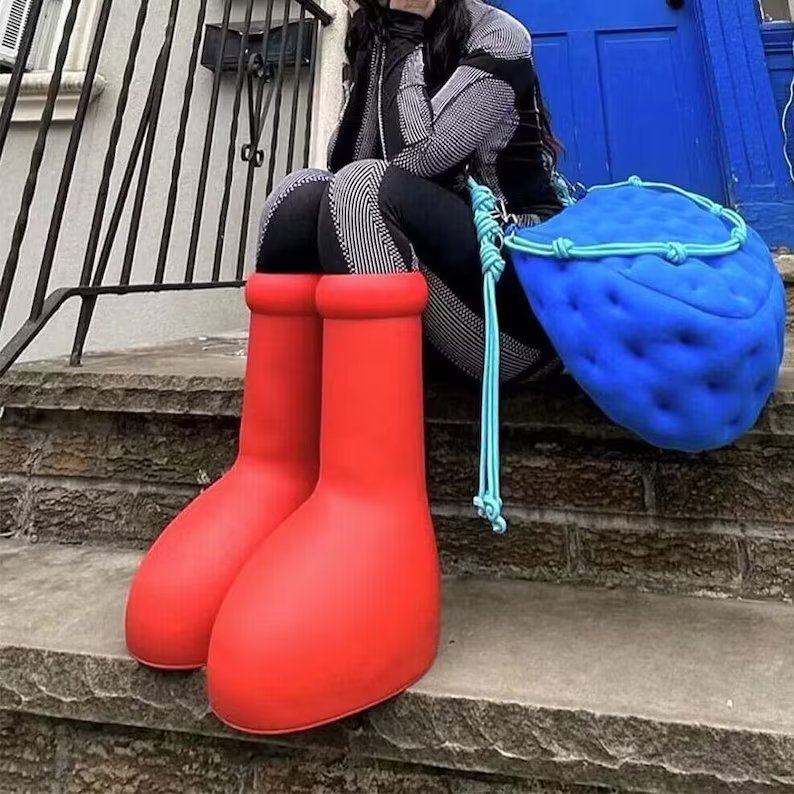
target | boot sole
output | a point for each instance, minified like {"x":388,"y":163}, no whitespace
{"x":330,"y":720}
{"x":173,"y":668}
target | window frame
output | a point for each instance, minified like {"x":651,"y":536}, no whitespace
{"x":36,"y":81}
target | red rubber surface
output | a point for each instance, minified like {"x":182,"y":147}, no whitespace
{"x":339,"y":608}
{"x":182,"y":581}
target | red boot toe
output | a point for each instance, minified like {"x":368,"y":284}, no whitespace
{"x":184,"y":578}
{"x":337,"y":612}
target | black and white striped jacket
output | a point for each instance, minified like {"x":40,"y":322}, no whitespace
{"x":484,"y":120}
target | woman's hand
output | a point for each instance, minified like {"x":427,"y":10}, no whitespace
{"x":423,"y":8}
{"x":352,"y":6}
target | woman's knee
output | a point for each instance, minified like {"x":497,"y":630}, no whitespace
{"x":288,"y":226}
{"x":357,"y":235}
{"x":302,"y":189}
{"x":358,"y":185}
{"x":374,"y":186}
{"x":366,"y":191}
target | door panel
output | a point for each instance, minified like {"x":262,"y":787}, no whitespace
{"x":626,"y":84}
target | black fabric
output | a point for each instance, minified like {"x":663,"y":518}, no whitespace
{"x":290,"y":244}
{"x":439,"y":226}
{"x":425,"y":220}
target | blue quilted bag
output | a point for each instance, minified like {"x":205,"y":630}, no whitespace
{"x":664,"y":306}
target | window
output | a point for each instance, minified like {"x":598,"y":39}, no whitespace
{"x":13,"y":16}
{"x":41,"y":62}
{"x":776,"y":10}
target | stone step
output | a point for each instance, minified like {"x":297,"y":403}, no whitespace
{"x":630,"y":691}
{"x":110,"y":452}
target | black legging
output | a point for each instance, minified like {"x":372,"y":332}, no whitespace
{"x":372,"y":218}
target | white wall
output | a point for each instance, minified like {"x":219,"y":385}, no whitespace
{"x":150,"y":319}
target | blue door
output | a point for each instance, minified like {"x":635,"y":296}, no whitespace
{"x":627,"y":87}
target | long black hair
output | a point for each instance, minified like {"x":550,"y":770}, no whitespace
{"x":446,"y":34}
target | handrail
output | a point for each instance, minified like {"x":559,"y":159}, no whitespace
{"x":123,"y":187}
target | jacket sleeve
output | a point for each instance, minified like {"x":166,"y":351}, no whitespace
{"x":431,"y":136}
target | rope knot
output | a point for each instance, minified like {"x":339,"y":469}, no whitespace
{"x":676,"y":253}
{"x":487,"y":226}
{"x":716,"y":209}
{"x":490,"y":508}
{"x":562,"y":248}
{"x":635,"y":181}
{"x":739,"y":234}
{"x":493,"y":262}
{"x":482,"y":199}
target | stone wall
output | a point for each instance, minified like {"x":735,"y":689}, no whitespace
{"x":113,"y":457}
{"x":39,"y":755}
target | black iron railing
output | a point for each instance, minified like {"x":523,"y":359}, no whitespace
{"x":260,"y":54}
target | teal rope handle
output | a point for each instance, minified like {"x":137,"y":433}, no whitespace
{"x":489,"y":498}
{"x":676,"y":253}
{"x":492,"y":240}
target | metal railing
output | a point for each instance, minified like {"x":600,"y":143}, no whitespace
{"x":260,"y":56}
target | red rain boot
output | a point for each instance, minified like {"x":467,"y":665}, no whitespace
{"x":339,"y":609}
{"x":182,"y":581}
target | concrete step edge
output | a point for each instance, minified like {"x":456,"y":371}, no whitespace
{"x":638,"y":692}
{"x":203,"y":377}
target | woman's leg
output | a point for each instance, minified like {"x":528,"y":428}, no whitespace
{"x":288,"y":229}
{"x":381,"y":219}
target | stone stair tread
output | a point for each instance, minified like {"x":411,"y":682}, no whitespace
{"x":203,"y":376}
{"x":520,"y":663}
